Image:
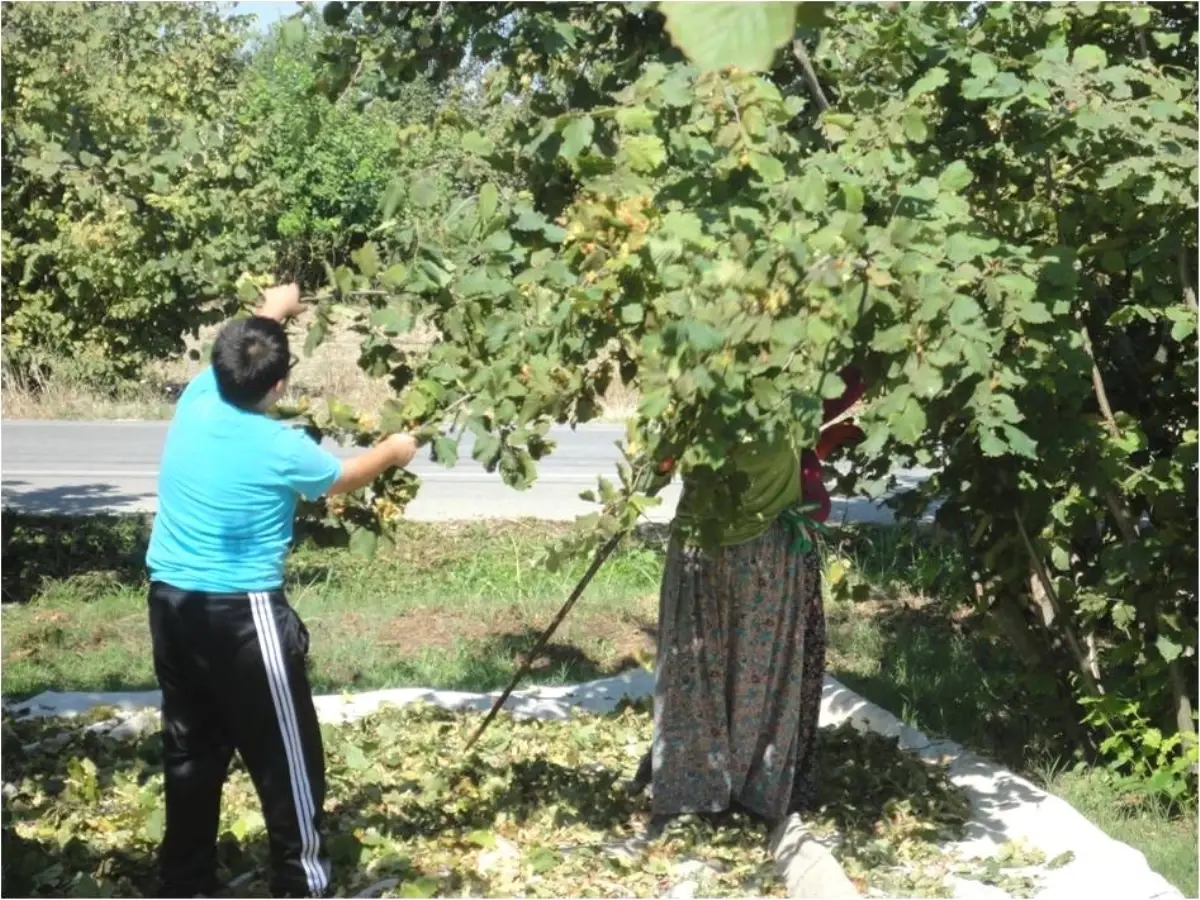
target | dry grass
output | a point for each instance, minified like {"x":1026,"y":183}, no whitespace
{"x":64,"y":396}
{"x":332,"y":371}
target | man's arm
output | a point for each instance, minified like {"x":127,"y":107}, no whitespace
{"x":281,"y":302}
{"x":397,"y":450}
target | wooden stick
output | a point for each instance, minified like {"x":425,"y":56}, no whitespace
{"x":601,"y":555}
{"x":810,"y":75}
{"x":1093,"y":687}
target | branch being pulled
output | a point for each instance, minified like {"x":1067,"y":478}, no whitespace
{"x":1094,"y":688}
{"x":810,"y":75}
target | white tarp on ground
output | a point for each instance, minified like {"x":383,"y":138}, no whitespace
{"x":1004,"y":806}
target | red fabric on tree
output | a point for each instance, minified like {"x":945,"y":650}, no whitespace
{"x":812,"y":485}
{"x":855,"y":388}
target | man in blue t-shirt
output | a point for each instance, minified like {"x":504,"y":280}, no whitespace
{"x":229,"y":651}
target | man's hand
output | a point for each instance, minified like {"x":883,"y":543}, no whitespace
{"x":281,"y":302}
{"x":403,"y":448}
{"x":394,"y":451}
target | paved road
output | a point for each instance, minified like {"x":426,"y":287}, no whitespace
{"x":94,"y":467}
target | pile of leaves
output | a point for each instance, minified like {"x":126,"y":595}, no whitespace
{"x":538,"y":809}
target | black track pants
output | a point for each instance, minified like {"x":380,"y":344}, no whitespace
{"x":232,"y":672}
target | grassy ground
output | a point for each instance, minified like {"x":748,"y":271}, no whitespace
{"x":458,"y":610}
{"x":447,"y":610}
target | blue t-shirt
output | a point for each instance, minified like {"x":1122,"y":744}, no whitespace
{"x":227,"y":492}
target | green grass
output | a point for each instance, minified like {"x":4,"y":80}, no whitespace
{"x":1133,"y":817}
{"x":453,"y":607}
{"x":458,"y":607}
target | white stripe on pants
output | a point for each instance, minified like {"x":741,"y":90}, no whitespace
{"x":285,"y":712}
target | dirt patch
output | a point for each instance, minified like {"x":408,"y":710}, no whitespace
{"x":426,"y":628}
{"x":621,"y":638}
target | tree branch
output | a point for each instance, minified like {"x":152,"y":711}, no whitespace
{"x":1124,"y":520}
{"x":1147,"y":608}
{"x":349,"y":84}
{"x":1039,"y":567}
{"x":810,"y":75}
{"x":1189,"y":292}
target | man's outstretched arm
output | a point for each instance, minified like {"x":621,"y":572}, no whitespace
{"x":396,"y":450}
{"x":281,"y":302}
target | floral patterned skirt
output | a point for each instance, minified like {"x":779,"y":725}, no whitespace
{"x":741,"y":661}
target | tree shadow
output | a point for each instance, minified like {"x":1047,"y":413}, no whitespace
{"x":109,"y":549}
{"x":95,"y":499}
{"x":943,"y":669}
{"x":565,"y":662}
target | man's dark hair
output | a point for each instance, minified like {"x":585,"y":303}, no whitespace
{"x":249,"y":357}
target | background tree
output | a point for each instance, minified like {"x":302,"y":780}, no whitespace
{"x":128,"y":202}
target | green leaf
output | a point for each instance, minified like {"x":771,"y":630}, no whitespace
{"x":316,"y":336}
{"x":489,"y":200}
{"x":445,"y":451}
{"x":963,"y":310}
{"x":720,"y":35}
{"x":390,"y":319}
{"x":635,"y":118}
{"x":486,"y":449}
{"x":910,"y":423}
{"x":392,"y":196}
{"x":394,"y":276}
{"x":645,"y":152}
{"x":577,"y":136}
{"x":292,"y":32}
{"x":479,"y":144}
{"x":481,"y":838}
{"x":1006,"y":84}
{"x":424,"y":193}
{"x":363,"y":542}
{"x":529,"y":219}
{"x":683,"y":225}
{"x":366,"y":258}
{"x":356,"y":760}
{"x":852,"y":197}
{"x":1020,"y":443}
{"x":983,"y":67}
{"x":499,"y":241}
{"x":1183,"y":323}
{"x":420,"y":888}
{"x":955,"y":177}
{"x":1088,"y":58}
{"x":990,"y":443}
{"x":654,"y":404}
{"x":768,"y":167}
{"x":1034,"y":313}
{"x":542,"y":859}
{"x":929,"y":82}
{"x":915,"y":128}
{"x":1167,"y":648}
{"x":156,"y":824}
{"x":811,"y":191}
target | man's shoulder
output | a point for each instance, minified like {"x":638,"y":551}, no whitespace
{"x":283,"y":440}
